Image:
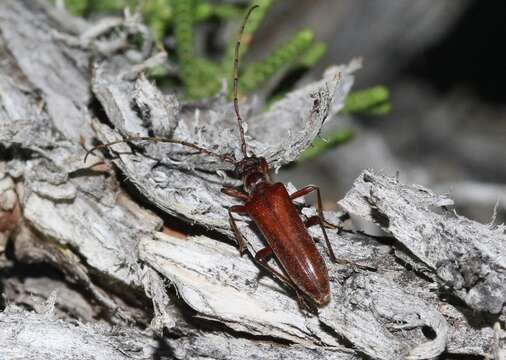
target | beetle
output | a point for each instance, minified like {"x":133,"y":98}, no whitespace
{"x":272,"y":209}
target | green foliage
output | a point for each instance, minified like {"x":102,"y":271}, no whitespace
{"x":183,"y":29}
{"x":90,"y":7}
{"x":256,"y":75}
{"x":158,"y":14}
{"x":326,"y":142}
{"x":77,"y":7}
{"x":373,"y":101}
{"x":203,"y":78}
{"x":312,"y":55}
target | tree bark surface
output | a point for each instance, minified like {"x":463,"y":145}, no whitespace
{"x":89,"y":264}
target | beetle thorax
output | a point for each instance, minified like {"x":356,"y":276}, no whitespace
{"x":253,"y":181}
{"x":254,"y":172}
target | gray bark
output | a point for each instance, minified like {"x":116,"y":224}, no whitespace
{"x":31,"y":335}
{"x":466,"y":257}
{"x":116,"y":257}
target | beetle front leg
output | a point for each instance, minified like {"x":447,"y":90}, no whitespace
{"x":238,"y":209}
{"x":235,"y":193}
{"x":262,"y":256}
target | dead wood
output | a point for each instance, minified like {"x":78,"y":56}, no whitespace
{"x":67,"y":84}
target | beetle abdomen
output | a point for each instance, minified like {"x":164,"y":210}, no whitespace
{"x":277,"y":218}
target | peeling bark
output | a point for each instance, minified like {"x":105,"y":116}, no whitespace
{"x":28,"y":335}
{"x":468,"y":258}
{"x":114,"y":262}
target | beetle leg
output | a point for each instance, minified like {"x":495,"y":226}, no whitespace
{"x":264,"y":254}
{"x":235,"y":193}
{"x":239,"y":209}
{"x":262,"y":257}
{"x":304,"y":304}
{"x":307,"y":190}
{"x":318,"y":219}
{"x":313,"y":220}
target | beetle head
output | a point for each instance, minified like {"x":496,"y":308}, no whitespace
{"x":253,"y":171}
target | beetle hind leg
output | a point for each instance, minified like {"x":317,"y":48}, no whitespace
{"x":314,"y":220}
{"x":262,"y":257}
{"x":317,"y":219}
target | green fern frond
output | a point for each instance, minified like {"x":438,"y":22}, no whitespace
{"x":256,"y":75}
{"x":203,"y":78}
{"x":325,"y":143}
{"x":312,"y":55}
{"x":368,"y":100}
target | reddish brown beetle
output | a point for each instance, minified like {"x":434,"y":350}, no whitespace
{"x":270,"y":206}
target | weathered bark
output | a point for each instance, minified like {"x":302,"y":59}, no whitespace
{"x":29,"y":335}
{"x":468,"y":258}
{"x":66,"y":83}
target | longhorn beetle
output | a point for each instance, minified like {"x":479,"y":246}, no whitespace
{"x":271,"y":208}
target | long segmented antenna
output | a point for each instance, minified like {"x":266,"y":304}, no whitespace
{"x":236,"y":80}
{"x":226,"y":157}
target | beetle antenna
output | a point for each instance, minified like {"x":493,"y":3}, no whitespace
{"x":201,"y":150}
{"x":236,"y":80}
